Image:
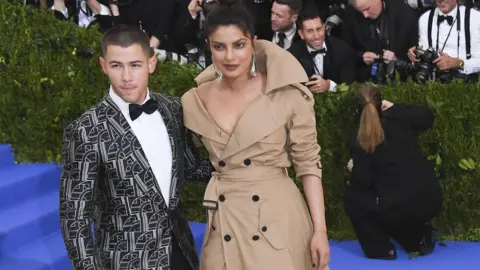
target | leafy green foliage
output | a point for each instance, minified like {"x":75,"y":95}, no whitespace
{"x":50,"y":75}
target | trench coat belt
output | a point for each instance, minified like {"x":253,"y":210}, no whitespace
{"x":251,"y":174}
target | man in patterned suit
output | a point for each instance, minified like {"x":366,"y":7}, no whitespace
{"x":125,"y":161}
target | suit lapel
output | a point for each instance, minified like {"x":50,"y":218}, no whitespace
{"x":171,"y":122}
{"x":306,"y":60}
{"x":129,"y":148}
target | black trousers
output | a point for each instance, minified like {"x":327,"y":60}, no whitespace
{"x":178,"y":260}
{"x":407,"y":223}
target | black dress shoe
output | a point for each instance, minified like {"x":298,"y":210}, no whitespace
{"x":391,"y":255}
{"x":428,"y":243}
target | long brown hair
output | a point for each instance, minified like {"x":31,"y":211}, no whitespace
{"x":370,"y":132}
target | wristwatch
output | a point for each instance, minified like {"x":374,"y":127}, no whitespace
{"x":460,"y":66}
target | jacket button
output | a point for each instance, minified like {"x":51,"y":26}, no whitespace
{"x":255,"y":198}
{"x":221,"y":163}
{"x":227,"y":237}
{"x":264,"y":228}
{"x":221,"y":198}
{"x":247,"y":162}
{"x":255,"y":237}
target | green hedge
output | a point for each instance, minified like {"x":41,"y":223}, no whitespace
{"x":50,"y":74}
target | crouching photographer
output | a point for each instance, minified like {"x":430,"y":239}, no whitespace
{"x":451,"y":34}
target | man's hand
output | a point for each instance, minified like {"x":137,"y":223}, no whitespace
{"x":389,"y":56}
{"x":369,"y":57}
{"x":319,"y":85}
{"x":194,"y":7}
{"x":445,"y":62}
{"x":411,"y":54}
{"x":154,"y":42}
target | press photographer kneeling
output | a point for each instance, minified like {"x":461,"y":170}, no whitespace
{"x":449,"y":36}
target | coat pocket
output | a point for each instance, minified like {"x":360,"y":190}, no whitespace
{"x":269,"y":225}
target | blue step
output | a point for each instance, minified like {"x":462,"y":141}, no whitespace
{"x":29,"y":221}
{"x":48,"y":253}
{"x":6,"y":156}
{"x":24,"y":182}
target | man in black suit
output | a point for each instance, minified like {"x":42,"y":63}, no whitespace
{"x":125,"y":163}
{"x":284,"y":15}
{"x":327,"y":60}
{"x":380,"y":31}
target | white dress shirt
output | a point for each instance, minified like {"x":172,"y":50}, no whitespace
{"x":152,"y":134}
{"x":287,"y":42}
{"x":318,"y":60}
{"x":471,"y":65}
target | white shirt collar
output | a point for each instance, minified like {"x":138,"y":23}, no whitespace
{"x":290,"y":33}
{"x":124,"y":106}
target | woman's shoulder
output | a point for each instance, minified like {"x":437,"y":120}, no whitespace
{"x":296,"y":95}
{"x":200,"y":91}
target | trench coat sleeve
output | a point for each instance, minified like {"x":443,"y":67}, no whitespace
{"x":303,"y":148}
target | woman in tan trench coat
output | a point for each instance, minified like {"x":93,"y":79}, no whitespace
{"x":255,"y":117}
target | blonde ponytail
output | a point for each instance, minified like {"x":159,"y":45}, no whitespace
{"x":370,"y":132}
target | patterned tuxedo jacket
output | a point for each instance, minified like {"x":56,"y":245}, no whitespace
{"x":107,"y":179}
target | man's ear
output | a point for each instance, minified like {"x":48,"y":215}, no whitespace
{"x":152,"y":63}
{"x":103,"y":64}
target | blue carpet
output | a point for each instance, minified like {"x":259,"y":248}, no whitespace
{"x":30,"y":236}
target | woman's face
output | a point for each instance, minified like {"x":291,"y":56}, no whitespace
{"x":232,"y":51}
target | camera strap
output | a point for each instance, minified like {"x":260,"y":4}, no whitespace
{"x":466,"y":29}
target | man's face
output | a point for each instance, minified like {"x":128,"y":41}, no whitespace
{"x":369,"y":8}
{"x":313,"y":33}
{"x":281,"y":18}
{"x":128,"y":70}
{"x":445,"y":6}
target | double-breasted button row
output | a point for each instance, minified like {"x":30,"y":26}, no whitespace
{"x":247,"y":162}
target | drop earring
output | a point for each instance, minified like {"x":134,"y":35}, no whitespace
{"x":253,"y":68}
{"x":218,"y":73}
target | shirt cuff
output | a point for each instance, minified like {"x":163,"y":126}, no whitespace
{"x":333,"y":86}
{"x":104,"y":10}
{"x":470,"y":66}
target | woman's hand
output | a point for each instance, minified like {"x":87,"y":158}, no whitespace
{"x":320,"y":250}
{"x":386,"y":104}
{"x":350,"y":165}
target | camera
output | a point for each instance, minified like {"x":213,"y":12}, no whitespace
{"x":425,"y":65}
{"x":378,"y":70}
{"x":336,"y":10}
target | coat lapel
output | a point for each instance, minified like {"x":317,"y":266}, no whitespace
{"x":259,"y":120}
{"x":128,"y":148}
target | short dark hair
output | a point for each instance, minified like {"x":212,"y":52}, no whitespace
{"x":310,"y":13}
{"x":229,"y":13}
{"x":294,"y":5}
{"x":125,"y":36}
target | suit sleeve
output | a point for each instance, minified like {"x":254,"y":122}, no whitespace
{"x":303,"y":148}
{"x":197,"y":167}
{"x":81,"y":166}
{"x":420,"y":118}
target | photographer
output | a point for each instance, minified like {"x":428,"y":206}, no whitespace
{"x":380,"y":31}
{"x":453,"y":33}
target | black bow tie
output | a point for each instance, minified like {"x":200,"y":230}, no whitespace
{"x":442,"y":18}
{"x":148,"y":107}
{"x":314,"y":53}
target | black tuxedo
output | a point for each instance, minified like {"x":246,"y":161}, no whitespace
{"x":106,"y":178}
{"x":401,"y":27}
{"x":338,"y":63}
{"x":393,"y":191}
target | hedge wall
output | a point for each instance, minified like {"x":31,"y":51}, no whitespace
{"x":50,"y":74}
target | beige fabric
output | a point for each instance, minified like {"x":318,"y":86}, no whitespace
{"x":262,"y":211}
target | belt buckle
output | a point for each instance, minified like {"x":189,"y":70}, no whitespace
{"x":210,"y":205}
